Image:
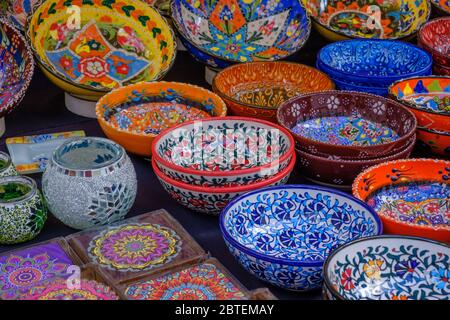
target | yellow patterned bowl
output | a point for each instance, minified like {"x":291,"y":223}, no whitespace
{"x":88,"y":48}
{"x":396,"y":19}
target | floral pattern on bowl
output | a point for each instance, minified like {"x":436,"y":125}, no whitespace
{"x":389,"y":268}
{"x":18,"y":11}
{"x":284,"y":234}
{"x":434,"y":38}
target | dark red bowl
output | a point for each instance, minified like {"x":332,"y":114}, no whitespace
{"x":434,"y":37}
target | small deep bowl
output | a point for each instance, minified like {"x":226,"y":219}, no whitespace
{"x":349,"y":138}
{"x":434,"y":37}
{"x":223,"y":151}
{"x":434,"y":141}
{"x":212,"y":200}
{"x":410,"y":196}
{"x":373,"y":61}
{"x":16,"y":67}
{"x":109,"y":46}
{"x":389,"y":268}
{"x":283,"y":235}
{"x":134,"y":115}
{"x":344,"y":19}
{"x":257,"y":89}
{"x":240,"y":31}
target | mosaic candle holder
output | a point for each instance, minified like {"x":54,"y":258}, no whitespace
{"x":6,"y":167}
{"x":22,"y":210}
{"x":89,"y":182}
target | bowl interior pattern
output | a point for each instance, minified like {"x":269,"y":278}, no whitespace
{"x":368,"y":18}
{"x":99,"y":46}
{"x":434,"y":37}
{"x":242,"y":30}
{"x":297,"y":223}
{"x":18,"y":11}
{"x":390,"y":268}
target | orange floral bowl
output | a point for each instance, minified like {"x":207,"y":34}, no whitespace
{"x":442,"y":6}
{"x":410,"y":196}
{"x":257,"y":89}
{"x":134,"y":115}
{"x":88,"y":48}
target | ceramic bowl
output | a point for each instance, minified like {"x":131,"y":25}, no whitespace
{"x":348,"y":86}
{"x":257,"y":89}
{"x":108,"y":46}
{"x":346,"y":123}
{"x":18,"y":11}
{"x":442,"y":6}
{"x":434,"y":37}
{"x":241,"y":30}
{"x":441,"y":70}
{"x":410,"y":196}
{"x":134,"y":115}
{"x":283,"y":235}
{"x":373,"y":62}
{"x":340,"y":173}
{"x":212,"y":200}
{"x":16,"y":67}
{"x":428,"y":98}
{"x":223,"y":151}
{"x":337,"y":20}
{"x":389,"y":268}
{"x":437,"y":142}
{"x":6,"y":167}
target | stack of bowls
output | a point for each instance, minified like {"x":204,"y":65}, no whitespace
{"x":434,"y":37}
{"x":204,"y":164}
{"x":341,"y":133}
{"x":372,"y":65}
{"x":429,"y":99}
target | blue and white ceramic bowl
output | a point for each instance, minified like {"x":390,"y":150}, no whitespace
{"x":221,"y":32}
{"x":283,"y":235}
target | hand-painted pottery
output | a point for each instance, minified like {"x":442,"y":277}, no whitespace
{"x":18,"y":11}
{"x":337,"y":20}
{"x":428,"y":98}
{"x":437,"y":142}
{"x":212,"y":200}
{"x":412,"y":197}
{"x":358,"y":134}
{"x":350,"y":86}
{"x":22,"y":210}
{"x":226,"y":31}
{"x":257,"y":89}
{"x":434,"y":37}
{"x":223,"y":151}
{"x":134,"y":115}
{"x":389,"y":268}
{"x":442,"y":6}
{"x":88,"y":182}
{"x":330,"y":170}
{"x":441,"y":70}
{"x":283,"y":235}
{"x":205,"y":281}
{"x":6,"y":167}
{"x":88,"y":48}
{"x":23,"y":269}
{"x":373,"y":62}
{"x":58,"y":290}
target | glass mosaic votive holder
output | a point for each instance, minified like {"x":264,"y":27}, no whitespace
{"x":6,"y":167}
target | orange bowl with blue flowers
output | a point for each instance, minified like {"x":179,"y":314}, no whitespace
{"x":88,"y":48}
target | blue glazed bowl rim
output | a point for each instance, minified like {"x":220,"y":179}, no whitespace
{"x":327,"y":68}
{"x":261,"y":256}
{"x":327,"y":281}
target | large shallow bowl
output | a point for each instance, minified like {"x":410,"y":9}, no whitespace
{"x":135,"y":114}
{"x":212,"y":200}
{"x":434,"y":37}
{"x":257,"y":89}
{"x":227,"y":31}
{"x":370,"y":62}
{"x":223,"y":151}
{"x":348,"y":137}
{"x":412,"y":197}
{"x":389,"y":268}
{"x":437,"y":142}
{"x":283,"y":234}
{"x":337,"y":20}
{"x":109,"y":45}
{"x":442,"y":6}
{"x":18,"y":11}
{"x":428,"y":98}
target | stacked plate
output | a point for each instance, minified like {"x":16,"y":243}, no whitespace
{"x":206,"y":163}
{"x":372,"y":65}
{"x":341,"y":133}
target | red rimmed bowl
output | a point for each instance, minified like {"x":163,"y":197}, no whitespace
{"x":437,"y":142}
{"x":339,"y":173}
{"x":410,"y":196}
{"x":257,"y":89}
{"x":347,"y":123}
{"x":434,"y":37}
{"x":212,"y":200}
{"x":223,"y":151}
